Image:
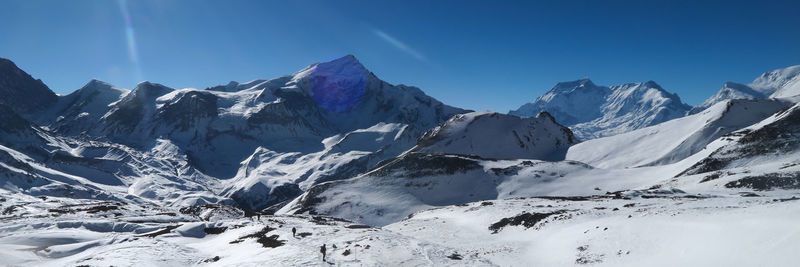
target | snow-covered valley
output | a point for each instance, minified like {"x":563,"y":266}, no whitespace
{"x":385,"y":175}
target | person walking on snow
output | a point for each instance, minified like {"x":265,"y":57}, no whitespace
{"x":294,"y":231}
{"x":322,"y":250}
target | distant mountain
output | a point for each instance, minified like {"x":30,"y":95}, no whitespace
{"x":780,"y":83}
{"x":21,"y":92}
{"x":593,"y":111}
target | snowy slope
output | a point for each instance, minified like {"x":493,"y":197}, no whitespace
{"x":450,"y":164}
{"x":23,"y":150}
{"x":628,"y":228}
{"x":283,"y":176}
{"x":36,"y":163}
{"x":772,"y":141}
{"x":417,"y":181}
{"x":644,"y":230}
{"x":111,"y":233}
{"x":674,"y":140}
{"x":593,"y":111}
{"x":495,"y":135}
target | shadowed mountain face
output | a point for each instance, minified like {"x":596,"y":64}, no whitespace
{"x":21,"y":92}
{"x":10,"y":122}
{"x":338,"y":87}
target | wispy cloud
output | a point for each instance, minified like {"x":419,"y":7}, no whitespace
{"x":130,"y":37}
{"x":399,"y":45}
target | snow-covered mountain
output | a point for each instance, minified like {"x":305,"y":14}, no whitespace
{"x":78,"y":112}
{"x":495,"y":135}
{"x":780,"y":83}
{"x":593,"y":111}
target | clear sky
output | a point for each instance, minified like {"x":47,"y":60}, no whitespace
{"x":482,"y":55}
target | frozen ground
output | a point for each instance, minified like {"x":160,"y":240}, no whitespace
{"x":631,"y":228}
{"x":634,"y":229}
{"x":66,"y":232}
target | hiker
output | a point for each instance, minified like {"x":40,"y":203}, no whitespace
{"x":248,"y":214}
{"x":294,"y":231}
{"x":259,"y":216}
{"x":322,"y":250}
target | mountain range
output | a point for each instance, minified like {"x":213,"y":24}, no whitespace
{"x":354,"y":160}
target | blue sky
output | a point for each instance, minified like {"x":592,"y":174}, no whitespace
{"x":483,"y":55}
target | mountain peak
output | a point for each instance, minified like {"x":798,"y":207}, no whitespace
{"x":639,"y":85}
{"x":4,"y":63}
{"x":571,"y":85}
{"x":337,"y":85}
{"x":348,"y":62}
{"x":729,"y":90}
{"x":545,"y":114}
{"x":652,"y":84}
{"x":351,"y":56}
{"x":96,"y":84}
{"x":742,"y":88}
{"x":148,"y":90}
{"x":147,"y":85}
